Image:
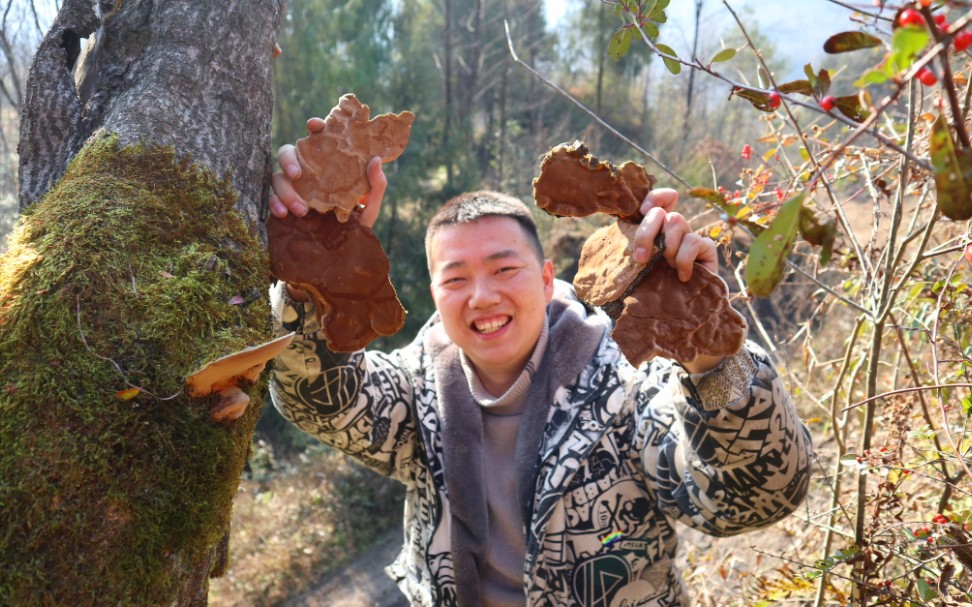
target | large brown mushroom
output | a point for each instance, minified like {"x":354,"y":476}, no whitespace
{"x":328,"y":253}
{"x":575,"y":183}
{"x":335,"y":160}
{"x":344,"y":269}
{"x":663,"y":316}
{"x":657,"y":314}
{"x":224,"y":377}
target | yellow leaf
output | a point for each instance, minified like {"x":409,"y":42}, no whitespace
{"x":128,"y":393}
{"x":715,"y":232}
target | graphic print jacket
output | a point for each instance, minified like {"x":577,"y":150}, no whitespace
{"x":608,"y":456}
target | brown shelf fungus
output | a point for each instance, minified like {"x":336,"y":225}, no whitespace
{"x":656,"y":314}
{"x":338,"y":261}
{"x":345,"y":271}
{"x":575,"y":183}
{"x":224,"y":377}
{"x":335,"y":159}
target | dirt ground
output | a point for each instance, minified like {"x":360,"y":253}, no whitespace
{"x":363,"y":583}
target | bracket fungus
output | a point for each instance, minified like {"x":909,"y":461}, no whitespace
{"x":327,"y":252}
{"x":656,"y":313}
{"x":335,"y":159}
{"x":575,"y":183}
{"x":344,"y":269}
{"x":224,"y":376}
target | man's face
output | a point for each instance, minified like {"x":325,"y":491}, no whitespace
{"x":491,"y":292}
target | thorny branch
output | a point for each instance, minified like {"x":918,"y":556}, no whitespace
{"x":589,"y":112}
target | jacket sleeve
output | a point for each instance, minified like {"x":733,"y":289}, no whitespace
{"x":360,"y":402}
{"x":724,"y":451}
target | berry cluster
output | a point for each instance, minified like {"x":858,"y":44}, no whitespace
{"x":910,"y":17}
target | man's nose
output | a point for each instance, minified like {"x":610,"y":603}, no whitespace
{"x":483,"y":295}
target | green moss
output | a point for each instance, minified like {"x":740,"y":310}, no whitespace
{"x":122,"y":275}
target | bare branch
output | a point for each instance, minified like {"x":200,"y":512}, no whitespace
{"x":592,"y":114}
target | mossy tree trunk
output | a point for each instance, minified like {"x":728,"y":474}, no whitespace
{"x":138,"y":258}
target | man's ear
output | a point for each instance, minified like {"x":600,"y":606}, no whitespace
{"x":548,"y":279}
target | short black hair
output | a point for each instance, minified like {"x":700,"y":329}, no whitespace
{"x":471,"y":206}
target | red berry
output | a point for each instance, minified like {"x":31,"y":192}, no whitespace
{"x":747,"y":152}
{"x":940,"y":19}
{"x":828,"y":103}
{"x":925,"y":3}
{"x":910,"y":16}
{"x":940,"y":519}
{"x":926,"y":76}
{"x":968,"y":252}
{"x":962,"y":40}
{"x":774,"y":100}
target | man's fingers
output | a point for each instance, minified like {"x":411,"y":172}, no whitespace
{"x":286,"y":197}
{"x":644,"y":238}
{"x":277,"y":207}
{"x":695,"y":249}
{"x":287,"y":157}
{"x":676,"y":228}
{"x":665,"y":198}
{"x":377,"y":183}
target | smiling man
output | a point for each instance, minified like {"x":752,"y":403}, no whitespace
{"x":541,"y":468}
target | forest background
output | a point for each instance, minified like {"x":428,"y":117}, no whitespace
{"x":483,"y":121}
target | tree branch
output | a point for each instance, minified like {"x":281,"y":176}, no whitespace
{"x":592,"y":114}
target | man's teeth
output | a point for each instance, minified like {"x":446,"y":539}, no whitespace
{"x":491,"y":326}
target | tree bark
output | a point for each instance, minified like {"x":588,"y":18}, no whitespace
{"x":144,"y":166}
{"x":186,"y":74}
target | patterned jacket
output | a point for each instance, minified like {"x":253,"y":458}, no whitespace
{"x":608,"y":456}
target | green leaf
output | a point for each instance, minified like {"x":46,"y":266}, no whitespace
{"x":724,"y":55}
{"x":651,"y":30}
{"x":619,"y":44}
{"x":953,"y":172}
{"x":905,"y":45}
{"x":797,"y":86}
{"x":759,"y":100}
{"x":673,"y":66}
{"x":845,"y":42}
{"x":967,"y":406}
{"x":719,"y":201}
{"x":659,"y":10}
{"x":767,"y":256}
{"x":874,"y":76}
{"x":851,"y":106}
{"x":925,"y":590}
{"x":818,"y":232}
{"x":823,"y":83}
{"x":808,"y":70}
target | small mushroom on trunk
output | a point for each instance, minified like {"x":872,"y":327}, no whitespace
{"x":224,"y":377}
